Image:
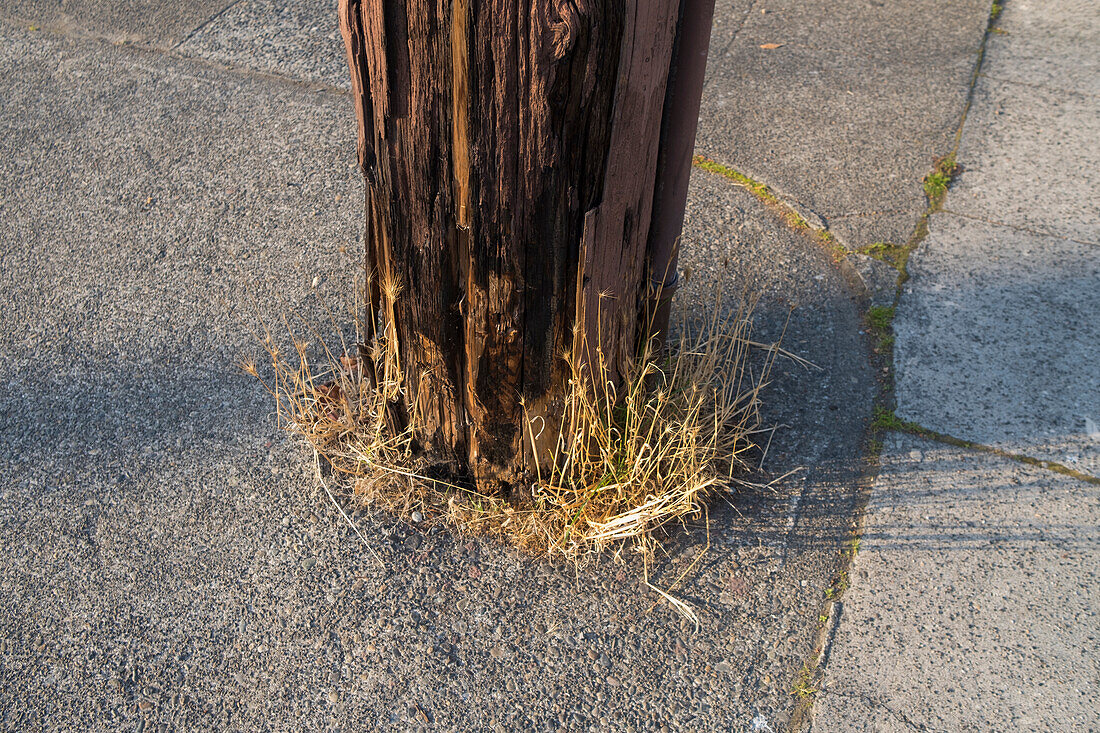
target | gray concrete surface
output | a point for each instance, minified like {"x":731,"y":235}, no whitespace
{"x":145,"y":22}
{"x":844,"y":120}
{"x":975,"y":600}
{"x":294,"y":38}
{"x":168,"y":561}
{"x":849,"y":114}
{"x":997,"y":340}
{"x":1047,"y":44}
{"x":878,"y":277}
{"x":998,"y":330}
{"x":1030,"y":158}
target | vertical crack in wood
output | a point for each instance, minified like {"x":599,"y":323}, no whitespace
{"x":372,"y":19}
{"x":397,"y":53}
{"x":351,"y":30}
{"x":460,"y":88}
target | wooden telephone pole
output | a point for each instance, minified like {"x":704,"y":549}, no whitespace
{"x":514,"y":153}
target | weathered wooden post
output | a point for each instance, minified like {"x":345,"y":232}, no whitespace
{"x":510,"y":150}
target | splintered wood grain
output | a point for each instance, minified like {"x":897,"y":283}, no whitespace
{"x":351,"y":29}
{"x":460,"y":110}
{"x":490,"y":131}
{"x":617,"y":277}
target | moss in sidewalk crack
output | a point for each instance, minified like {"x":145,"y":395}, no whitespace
{"x":880,"y":320}
{"x":938,"y":180}
{"x":892,"y":254}
{"x":885,"y":419}
{"x":936,"y":183}
{"x":805,"y":687}
{"x":711,"y":166}
{"x":790,"y":217}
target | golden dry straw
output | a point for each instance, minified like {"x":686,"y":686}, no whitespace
{"x":626,"y":462}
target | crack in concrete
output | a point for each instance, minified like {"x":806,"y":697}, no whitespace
{"x":205,"y":23}
{"x":1016,"y":227}
{"x":1033,"y":85}
{"x":779,"y":203}
{"x":86,"y":36}
{"x":862,"y":214}
{"x":920,"y":431}
{"x":740,"y":26}
{"x":885,"y":362}
{"x":875,"y":702}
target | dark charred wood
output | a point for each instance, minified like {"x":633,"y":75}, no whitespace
{"x":508,"y":149}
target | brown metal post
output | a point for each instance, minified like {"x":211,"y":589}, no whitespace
{"x":678,"y":125}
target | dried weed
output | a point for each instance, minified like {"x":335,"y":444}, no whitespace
{"x":625,"y":463}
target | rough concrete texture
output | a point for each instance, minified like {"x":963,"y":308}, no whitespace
{"x":146,"y":22}
{"x":975,"y":600}
{"x":879,"y":278}
{"x":998,"y":327}
{"x":295,"y":38}
{"x":997,"y":334}
{"x":850,"y":112}
{"x":1030,"y":160}
{"x":728,"y":236}
{"x":168,"y":558}
{"x":846,"y":153}
{"x":1048,"y":44}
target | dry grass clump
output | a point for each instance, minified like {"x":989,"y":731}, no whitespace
{"x":625,"y":463}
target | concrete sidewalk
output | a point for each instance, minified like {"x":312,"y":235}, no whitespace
{"x":975,"y":599}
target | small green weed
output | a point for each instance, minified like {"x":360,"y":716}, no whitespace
{"x":995,"y":11}
{"x":936,"y":182}
{"x":892,"y":254}
{"x":804,"y":686}
{"x":881,"y":317}
{"x":885,"y":419}
{"x":881,"y":320}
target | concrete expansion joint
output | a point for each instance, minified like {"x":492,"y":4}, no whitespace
{"x":313,"y":86}
{"x":77,"y":34}
{"x":887,"y":420}
{"x":835,"y":614}
{"x":797,"y":216}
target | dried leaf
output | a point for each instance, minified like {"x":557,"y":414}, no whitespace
{"x":770,"y":46}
